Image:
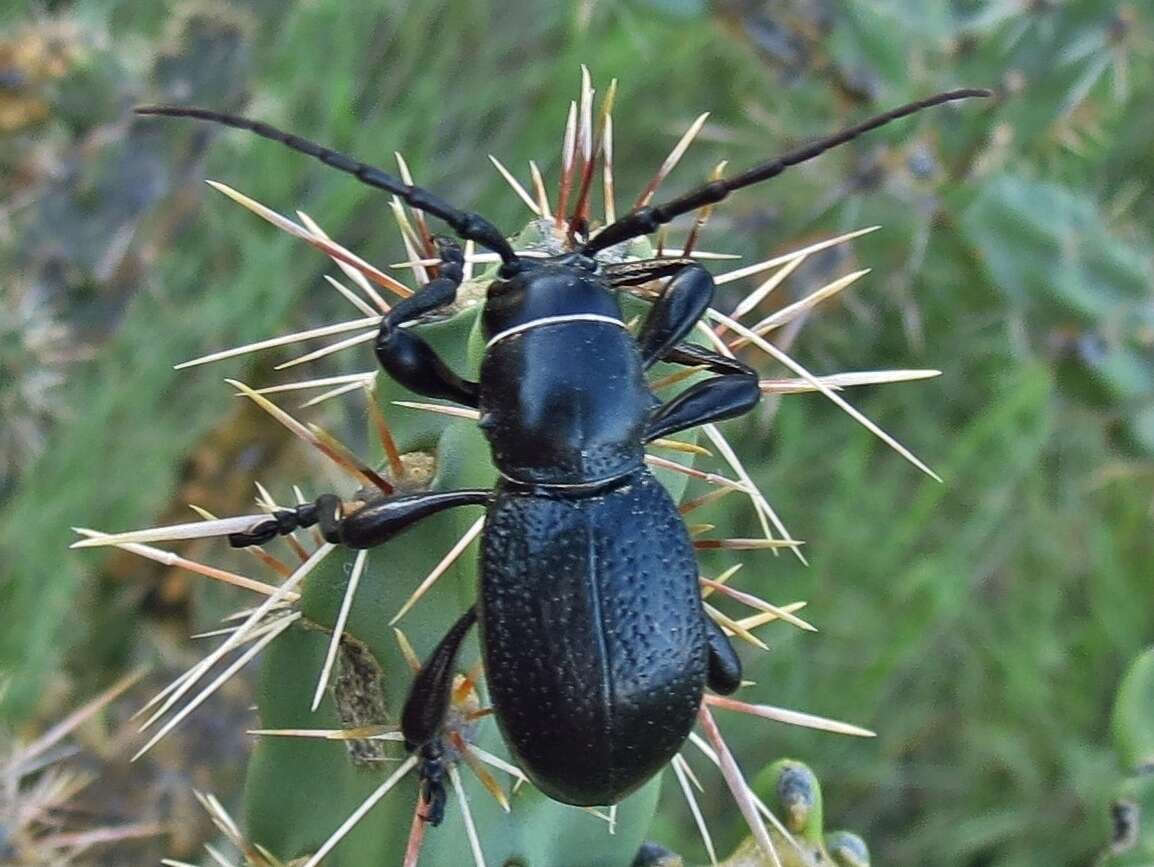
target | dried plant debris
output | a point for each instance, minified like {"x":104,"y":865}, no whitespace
{"x":47,"y":814}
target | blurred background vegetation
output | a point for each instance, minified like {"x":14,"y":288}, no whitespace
{"x":980,"y":626}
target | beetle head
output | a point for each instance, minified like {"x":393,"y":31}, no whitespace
{"x":540,"y":288}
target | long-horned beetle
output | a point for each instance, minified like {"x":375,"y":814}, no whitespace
{"x":596,"y":647}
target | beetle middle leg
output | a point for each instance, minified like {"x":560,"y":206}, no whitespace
{"x":373,"y":524}
{"x":734,"y":392}
{"x":425,"y":710}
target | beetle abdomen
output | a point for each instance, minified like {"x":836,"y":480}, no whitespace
{"x":593,"y":635}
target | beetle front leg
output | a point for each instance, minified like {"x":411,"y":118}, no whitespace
{"x":692,"y":355}
{"x":438,"y":292}
{"x":733,"y":393}
{"x":674,"y":314}
{"x":409,"y":360}
{"x":406,"y":357}
{"x":712,"y":400}
{"x":372,"y":524}
{"x":425,"y":710}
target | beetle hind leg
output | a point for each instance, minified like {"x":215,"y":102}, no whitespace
{"x":724,"y":673}
{"x":425,"y":712}
{"x":428,"y":701}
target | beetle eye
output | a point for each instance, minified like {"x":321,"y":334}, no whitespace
{"x":508,"y":269}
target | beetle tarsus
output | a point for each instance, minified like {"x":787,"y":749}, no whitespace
{"x":638,"y":273}
{"x":692,"y":355}
{"x":284,"y":521}
{"x":369,"y":525}
{"x":438,"y":292}
{"x":431,"y":770}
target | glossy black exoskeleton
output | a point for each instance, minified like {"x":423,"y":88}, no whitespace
{"x":596,"y":647}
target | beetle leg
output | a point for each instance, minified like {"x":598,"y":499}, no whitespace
{"x":674,"y":314}
{"x":378,"y":521}
{"x":714,"y":399}
{"x":437,"y":292}
{"x":692,"y":355}
{"x":284,"y":521}
{"x":733,"y":393}
{"x":636,"y":273}
{"x":724,"y":674}
{"x":428,"y":700}
{"x":409,"y":360}
{"x":425,"y":710}
{"x":431,"y":771}
{"x":405,"y":356}
{"x":373,"y":524}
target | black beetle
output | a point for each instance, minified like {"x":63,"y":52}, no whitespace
{"x":596,"y":647}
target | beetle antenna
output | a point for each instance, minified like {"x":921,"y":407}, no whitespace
{"x":644,"y":220}
{"x":467,"y":225}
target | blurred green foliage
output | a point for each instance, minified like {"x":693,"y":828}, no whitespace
{"x":979,"y":626}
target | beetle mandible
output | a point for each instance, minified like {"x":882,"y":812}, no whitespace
{"x":596,"y":647}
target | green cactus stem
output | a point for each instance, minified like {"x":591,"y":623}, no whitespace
{"x":1132,"y":809}
{"x":793,"y":792}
